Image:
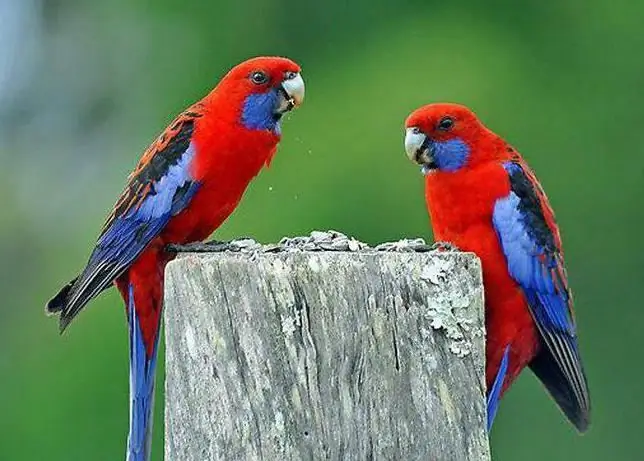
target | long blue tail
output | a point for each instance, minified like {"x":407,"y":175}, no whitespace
{"x":142,"y":370}
{"x":494,"y":393}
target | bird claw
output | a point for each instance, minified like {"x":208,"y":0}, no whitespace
{"x":444,"y":246}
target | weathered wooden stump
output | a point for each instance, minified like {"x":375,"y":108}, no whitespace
{"x":292,"y":354}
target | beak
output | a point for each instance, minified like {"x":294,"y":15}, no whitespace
{"x":419,"y":149}
{"x":291,"y":92}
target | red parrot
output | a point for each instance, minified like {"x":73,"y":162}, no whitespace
{"x":482,"y":197}
{"x":186,"y":184}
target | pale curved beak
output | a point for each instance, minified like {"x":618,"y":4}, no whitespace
{"x":418,"y":149}
{"x":292,"y":92}
{"x":414,"y":140}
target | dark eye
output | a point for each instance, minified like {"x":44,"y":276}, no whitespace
{"x":258,"y":77}
{"x":446,"y":124}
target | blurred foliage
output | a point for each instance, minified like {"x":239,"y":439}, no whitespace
{"x":86,"y":85}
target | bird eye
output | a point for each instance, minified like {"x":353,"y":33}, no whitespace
{"x":446,"y":124}
{"x":290,"y":75}
{"x":258,"y":77}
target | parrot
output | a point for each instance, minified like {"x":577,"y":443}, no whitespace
{"x":482,"y":197}
{"x":188,"y":181}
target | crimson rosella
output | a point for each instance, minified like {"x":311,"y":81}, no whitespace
{"x":482,"y":197}
{"x":186,"y":184}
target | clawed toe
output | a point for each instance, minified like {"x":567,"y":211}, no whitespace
{"x":444,"y":246}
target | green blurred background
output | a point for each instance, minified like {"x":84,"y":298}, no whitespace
{"x":85,"y":86}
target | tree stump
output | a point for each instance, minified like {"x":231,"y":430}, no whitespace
{"x":296,"y":353}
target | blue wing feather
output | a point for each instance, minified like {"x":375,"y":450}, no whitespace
{"x":141,"y":214}
{"x":531,"y":246}
{"x":531,"y":264}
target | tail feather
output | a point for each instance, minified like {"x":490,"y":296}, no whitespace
{"x":576,"y":409}
{"x":67,"y":305}
{"x":57,"y":304}
{"x":142,"y":374}
{"x":494,"y":393}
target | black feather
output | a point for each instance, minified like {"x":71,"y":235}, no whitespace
{"x":530,"y":208}
{"x":554,"y":380}
{"x":58,"y":302}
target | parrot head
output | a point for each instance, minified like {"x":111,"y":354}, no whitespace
{"x":442,"y":137}
{"x":261,"y":90}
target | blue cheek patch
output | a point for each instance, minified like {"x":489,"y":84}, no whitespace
{"x":450,"y":155}
{"x":258,"y":112}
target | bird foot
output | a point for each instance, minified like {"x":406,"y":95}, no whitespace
{"x":444,"y":246}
